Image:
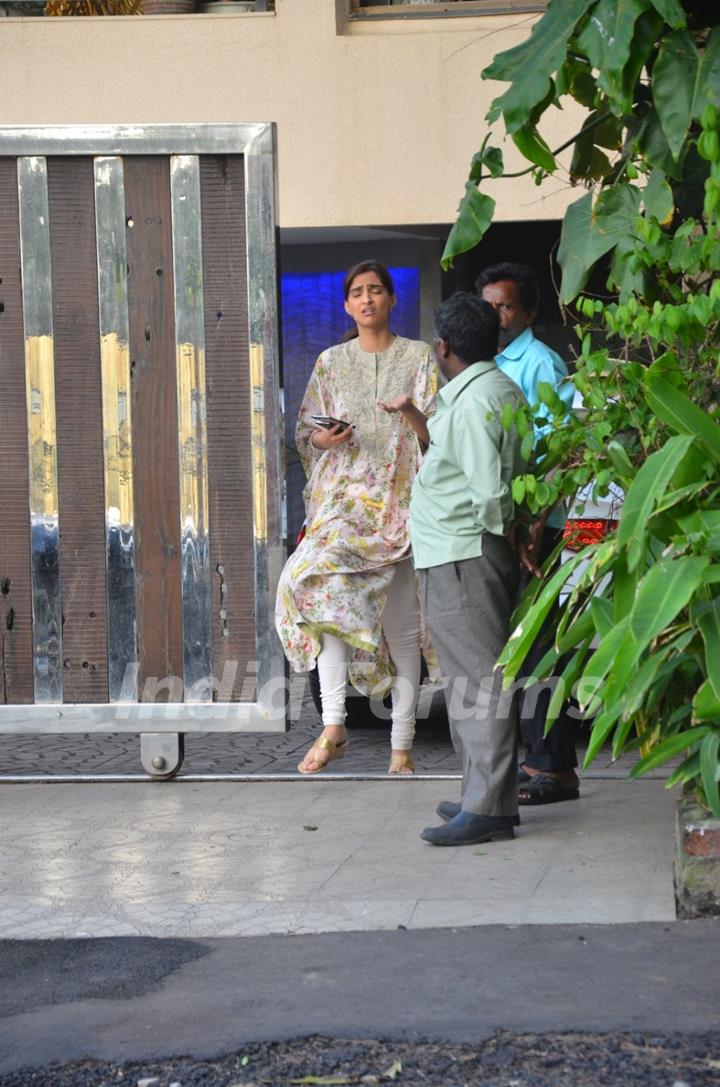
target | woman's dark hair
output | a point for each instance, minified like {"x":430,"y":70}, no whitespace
{"x":469,"y":326}
{"x":522,"y":275}
{"x":369,"y":266}
{"x":357,"y":270}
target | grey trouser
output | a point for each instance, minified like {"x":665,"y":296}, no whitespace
{"x":467,"y":608}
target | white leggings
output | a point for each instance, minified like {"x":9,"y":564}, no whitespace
{"x":401,"y":626}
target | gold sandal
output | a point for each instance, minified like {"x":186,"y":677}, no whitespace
{"x":334,"y":750}
{"x":400,"y":763}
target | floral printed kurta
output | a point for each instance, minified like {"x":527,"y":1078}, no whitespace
{"x":357,"y":500}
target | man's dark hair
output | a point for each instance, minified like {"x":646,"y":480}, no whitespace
{"x":522,"y":275}
{"x":469,"y":326}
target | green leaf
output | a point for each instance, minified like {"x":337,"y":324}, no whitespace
{"x":563,"y":688}
{"x":689,"y":768}
{"x":668,"y":749}
{"x":665,"y":590}
{"x":709,"y":770}
{"x":602,"y":615}
{"x":682,"y":415}
{"x":624,"y":587}
{"x":608,"y":40}
{"x":584,"y":88}
{"x":579,"y":248}
{"x":474,"y":217}
{"x":531,"y":144}
{"x":658,"y":198}
{"x":588,"y":232}
{"x":672,"y":12}
{"x":653,"y":144}
{"x":602,"y":659}
{"x":601,"y":729}
{"x":577,"y":629}
{"x":621,"y":461}
{"x":521,"y":639}
{"x":647,"y":488}
{"x":615,"y":213}
{"x":529,"y":66}
{"x":706,"y":705}
{"x":489,"y":158}
{"x":684,"y":80}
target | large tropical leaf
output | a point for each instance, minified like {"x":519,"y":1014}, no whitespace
{"x":646,"y":489}
{"x":529,"y":141}
{"x":608,"y":40}
{"x":588,"y":232}
{"x":672,"y":12}
{"x":658,"y":198}
{"x":529,"y":66}
{"x":474,"y":217}
{"x":682,"y":415}
{"x":654,"y":145}
{"x":684,"y":80}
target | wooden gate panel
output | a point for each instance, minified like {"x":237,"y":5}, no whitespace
{"x":228,"y":416}
{"x":16,"y":659}
{"x":140,"y":486}
{"x":155,"y":428}
{"x":78,"y":394}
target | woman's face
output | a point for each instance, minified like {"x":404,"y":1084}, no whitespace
{"x":369,"y":302}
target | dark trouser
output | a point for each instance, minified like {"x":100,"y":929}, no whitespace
{"x":467,"y":608}
{"x":556,"y":751}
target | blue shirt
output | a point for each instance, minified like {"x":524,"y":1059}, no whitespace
{"x":527,"y":362}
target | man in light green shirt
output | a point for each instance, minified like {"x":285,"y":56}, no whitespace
{"x":460,"y":513}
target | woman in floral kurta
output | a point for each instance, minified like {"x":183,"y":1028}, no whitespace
{"x":334,"y":587}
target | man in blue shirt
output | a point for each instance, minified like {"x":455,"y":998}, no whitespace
{"x":547,"y":774}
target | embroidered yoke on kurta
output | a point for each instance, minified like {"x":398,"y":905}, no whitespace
{"x":357,"y":501}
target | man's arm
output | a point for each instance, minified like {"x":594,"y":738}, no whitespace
{"x":410,"y":413}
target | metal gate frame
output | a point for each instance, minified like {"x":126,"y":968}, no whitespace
{"x":161,"y":724}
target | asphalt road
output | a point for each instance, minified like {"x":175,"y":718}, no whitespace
{"x":136,"y":1005}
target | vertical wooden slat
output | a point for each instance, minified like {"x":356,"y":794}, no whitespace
{"x":16,"y":664}
{"x":78,"y":393}
{"x":228,"y":389}
{"x":154,"y":407}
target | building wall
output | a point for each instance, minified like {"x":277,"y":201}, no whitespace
{"x":377,"y":123}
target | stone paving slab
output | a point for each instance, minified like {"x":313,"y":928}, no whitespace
{"x":230,"y":859}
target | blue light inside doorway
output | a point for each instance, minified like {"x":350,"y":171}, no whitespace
{"x":313,"y":316}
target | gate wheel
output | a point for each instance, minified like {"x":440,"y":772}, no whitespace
{"x":162,"y":753}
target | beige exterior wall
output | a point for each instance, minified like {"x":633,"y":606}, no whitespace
{"x":377,"y":123}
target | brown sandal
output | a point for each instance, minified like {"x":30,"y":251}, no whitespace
{"x":334,"y":750}
{"x":401,"y":765}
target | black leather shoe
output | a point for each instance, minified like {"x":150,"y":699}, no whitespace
{"x":470,"y":829}
{"x":448,"y":809}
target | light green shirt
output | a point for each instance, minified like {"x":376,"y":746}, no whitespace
{"x":463,"y":488}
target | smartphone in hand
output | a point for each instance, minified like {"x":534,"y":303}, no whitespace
{"x":327,"y":422}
